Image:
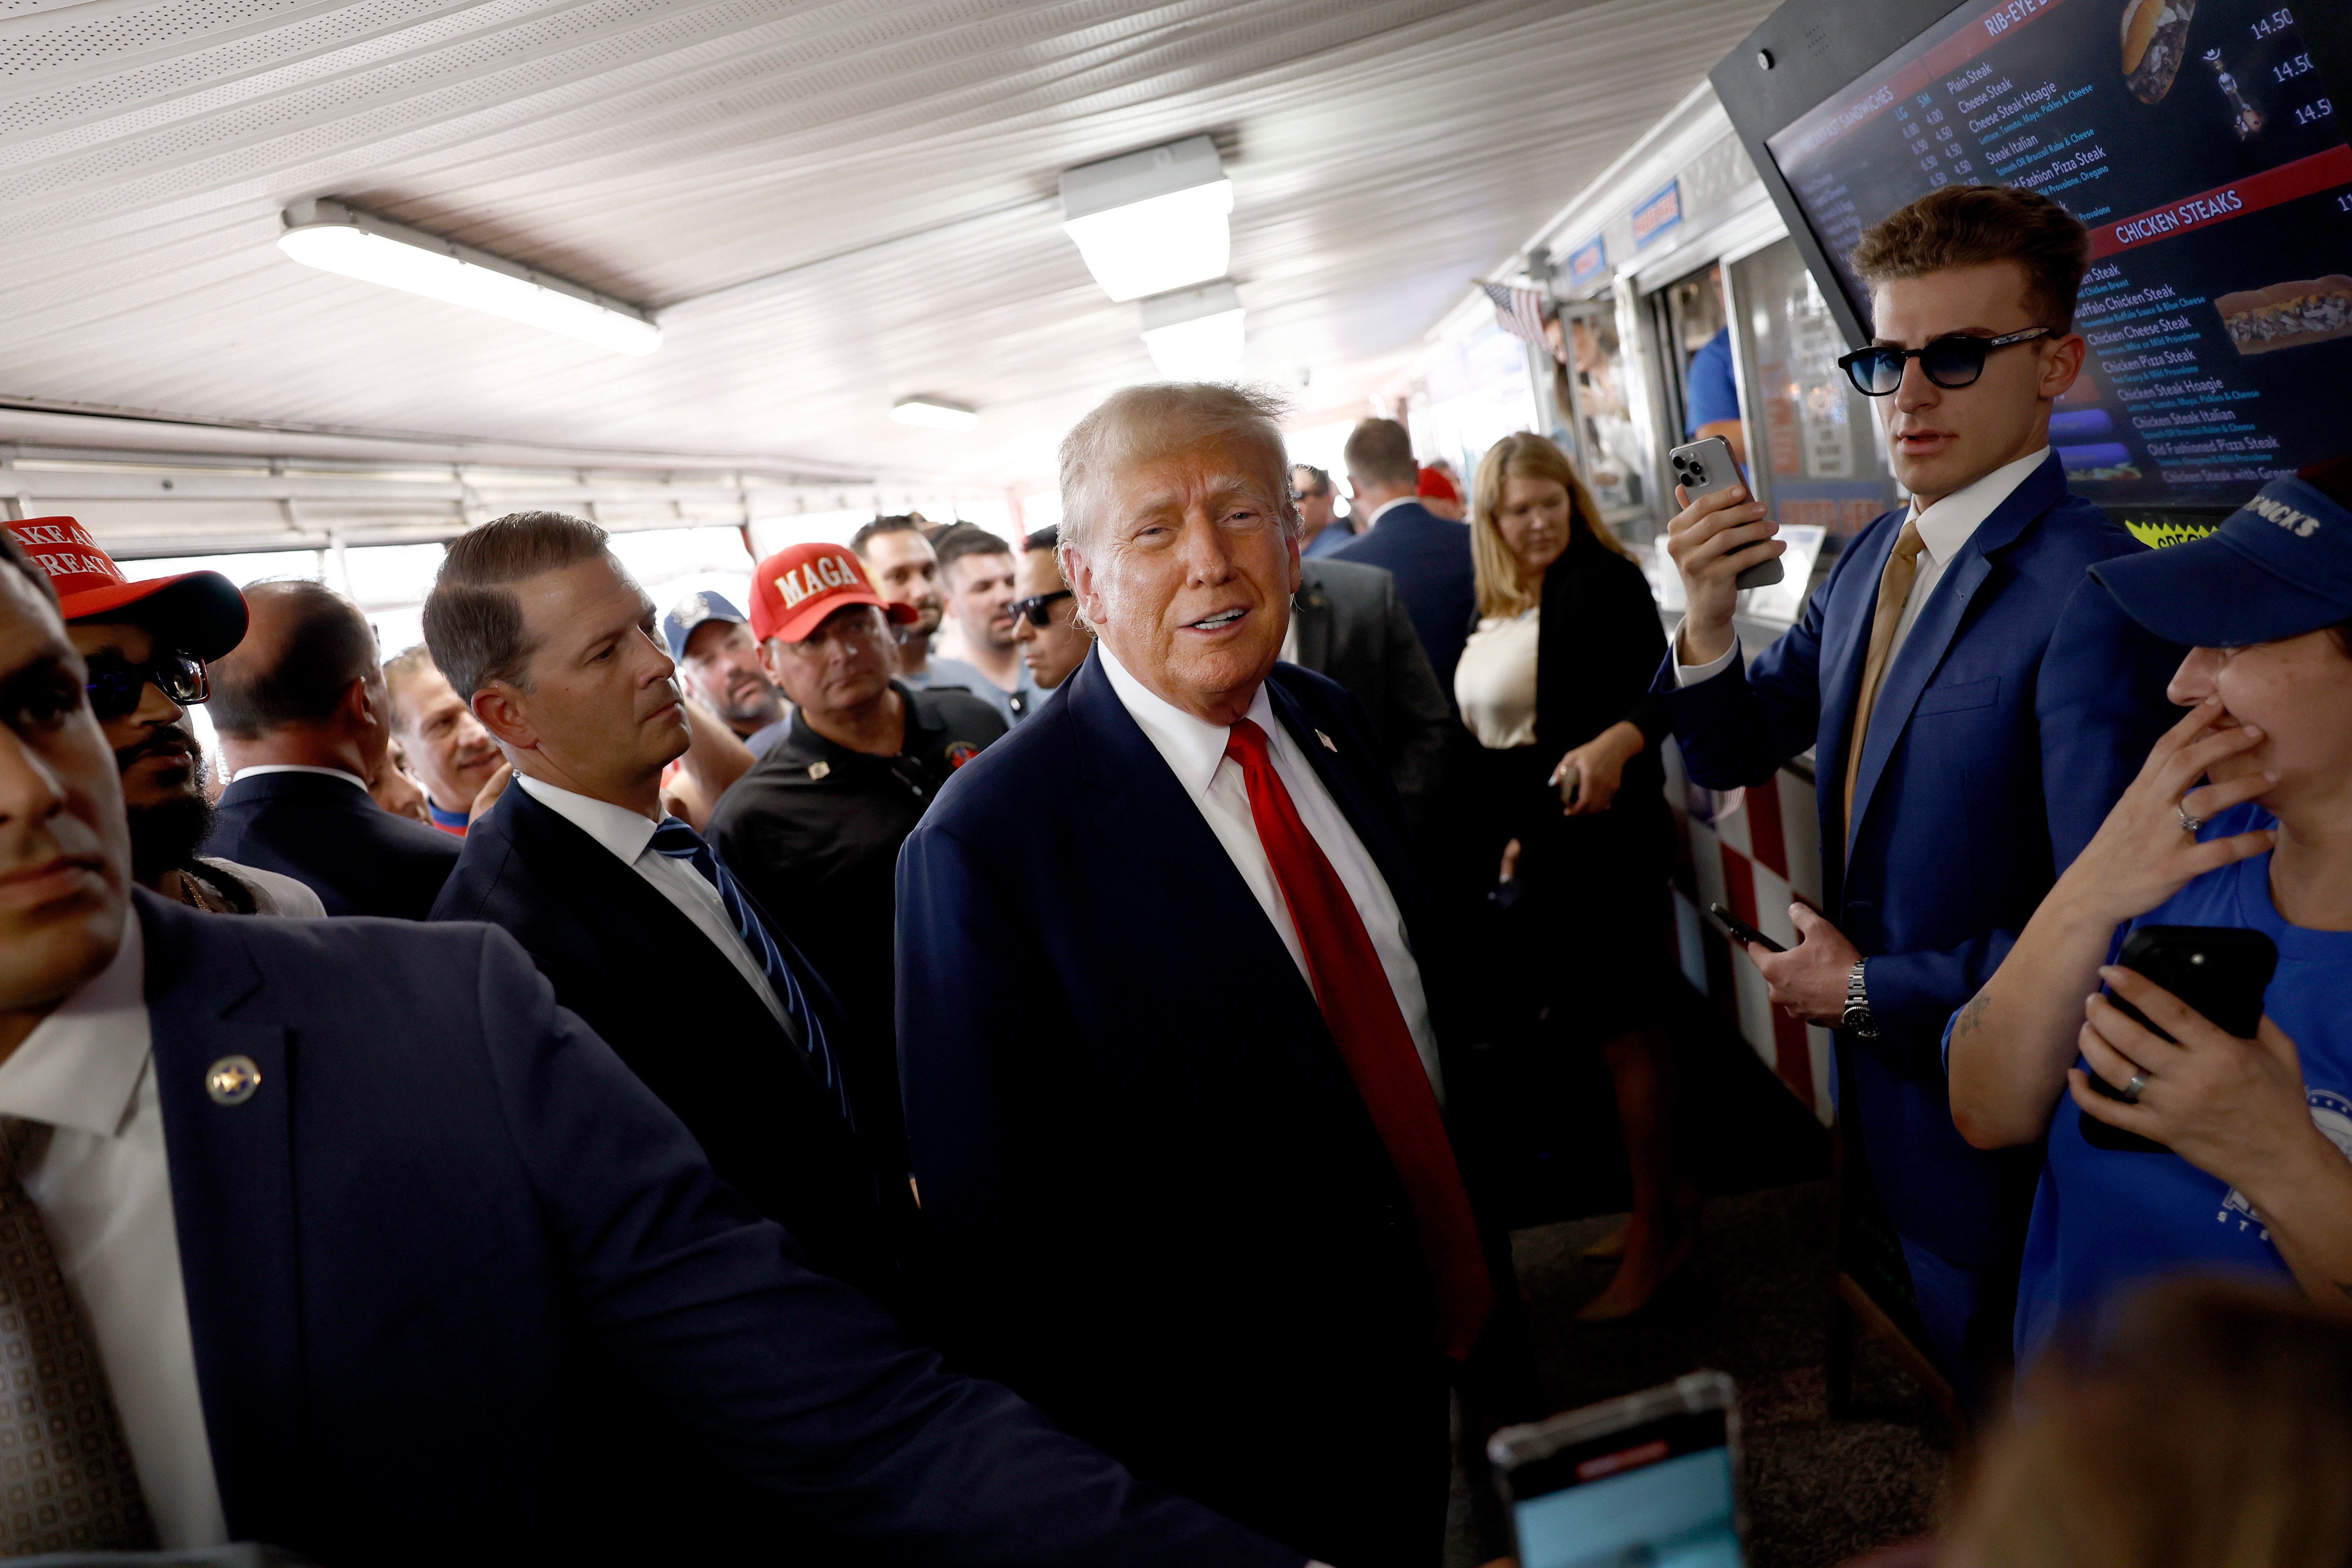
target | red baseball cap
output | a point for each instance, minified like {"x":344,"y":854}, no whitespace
{"x":1436,"y":485}
{"x":794,"y":590}
{"x":198,"y":612}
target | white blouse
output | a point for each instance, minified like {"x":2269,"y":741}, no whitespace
{"x":1495,"y":681}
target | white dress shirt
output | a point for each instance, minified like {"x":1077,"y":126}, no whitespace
{"x":1382,"y":510}
{"x":630,"y":839}
{"x":258,"y":769}
{"x":1194,"y":751}
{"x":104,"y":1189}
{"x":1943,"y":528}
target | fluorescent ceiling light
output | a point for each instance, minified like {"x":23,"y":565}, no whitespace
{"x":340,"y":239}
{"x":933,"y":415}
{"x":1151,"y":221}
{"x":1196,"y":334}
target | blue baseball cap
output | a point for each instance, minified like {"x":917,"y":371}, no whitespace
{"x":2277,"y":567}
{"x":693,"y":611}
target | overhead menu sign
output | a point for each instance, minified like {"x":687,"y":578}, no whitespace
{"x":2208,"y":160}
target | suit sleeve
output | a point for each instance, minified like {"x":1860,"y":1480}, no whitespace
{"x":1419,"y":722}
{"x":790,"y":1378}
{"x":2099,"y":705}
{"x":964,"y":970}
{"x":1736,"y":727}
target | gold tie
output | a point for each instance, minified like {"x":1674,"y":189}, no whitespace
{"x":67,"y":1482}
{"x":1893,"y":592}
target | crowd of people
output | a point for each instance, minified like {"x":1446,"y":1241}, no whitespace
{"x":727,"y":1079}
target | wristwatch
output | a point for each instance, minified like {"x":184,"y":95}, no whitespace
{"x":1856,"y":1016}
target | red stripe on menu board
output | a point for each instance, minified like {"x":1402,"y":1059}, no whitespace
{"x":2288,"y":182}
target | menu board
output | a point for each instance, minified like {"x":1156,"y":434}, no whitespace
{"x":2205,"y":154}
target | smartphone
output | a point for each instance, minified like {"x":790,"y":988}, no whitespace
{"x":1741,"y":929}
{"x":1650,"y":1478}
{"x":2219,"y":971}
{"x":1571,"y":784}
{"x":1702,"y":468}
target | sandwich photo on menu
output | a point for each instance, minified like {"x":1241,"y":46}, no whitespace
{"x":2288,"y":315}
{"x":2156,"y":40}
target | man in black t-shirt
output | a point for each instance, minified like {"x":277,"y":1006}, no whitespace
{"x":813,"y":829}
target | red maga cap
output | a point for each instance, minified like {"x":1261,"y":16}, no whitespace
{"x":198,"y":612}
{"x":1436,"y":485}
{"x":794,"y":590}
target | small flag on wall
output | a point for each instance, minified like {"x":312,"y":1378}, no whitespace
{"x":1520,"y":312}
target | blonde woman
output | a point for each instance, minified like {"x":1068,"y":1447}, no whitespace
{"x":1554,"y":683}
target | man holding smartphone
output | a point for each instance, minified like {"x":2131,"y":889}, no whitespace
{"x":1974,"y":704}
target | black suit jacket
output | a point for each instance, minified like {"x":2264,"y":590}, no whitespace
{"x":1353,"y":627}
{"x":358,"y":857}
{"x":461,"y":1291}
{"x":1431,"y":558}
{"x":1161,"y":1208}
{"x":662,"y":994}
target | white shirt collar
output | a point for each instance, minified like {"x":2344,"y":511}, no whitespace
{"x":80,"y":1066}
{"x":1947,"y":525}
{"x":1385,"y":507}
{"x":1192,"y":747}
{"x":616,"y":828}
{"x":258,"y":769}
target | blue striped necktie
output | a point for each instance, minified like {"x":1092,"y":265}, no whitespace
{"x":680,"y":842}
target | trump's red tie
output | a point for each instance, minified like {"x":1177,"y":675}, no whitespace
{"x":1361,"y":1008}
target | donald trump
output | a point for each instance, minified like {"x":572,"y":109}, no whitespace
{"x":1170,"y":1061}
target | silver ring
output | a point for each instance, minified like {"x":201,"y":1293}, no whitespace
{"x":2131,"y":1089}
{"x":2188,"y":824}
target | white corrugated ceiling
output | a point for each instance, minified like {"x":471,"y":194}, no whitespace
{"x":831,"y":206}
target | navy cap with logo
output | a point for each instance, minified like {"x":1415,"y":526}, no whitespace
{"x":2277,"y":567}
{"x":693,"y":611}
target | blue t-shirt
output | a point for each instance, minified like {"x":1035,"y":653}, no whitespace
{"x":1714,"y":395}
{"x":2106,"y":1219}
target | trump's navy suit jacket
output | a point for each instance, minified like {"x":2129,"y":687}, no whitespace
{"x":660,"y":992}
{"x":2018,"y":708}
{"x":462,"y":1290}
{"x":1158,"y":1206}
{"x":331,"y":836}
{"x":1430,"y":556}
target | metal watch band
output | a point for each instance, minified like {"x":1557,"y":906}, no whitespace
{"x":1857,"y":1005}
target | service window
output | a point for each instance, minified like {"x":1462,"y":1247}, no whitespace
{"x":1823,"y":462}
{"x":1701,"y":391}
{"x":1591,"y":387}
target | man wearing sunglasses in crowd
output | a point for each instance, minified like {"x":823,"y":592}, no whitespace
{"x":813,"y":831}
{"x":146,"y":645}
{"x":1974,"y":703}
{"x":1045,"y":614}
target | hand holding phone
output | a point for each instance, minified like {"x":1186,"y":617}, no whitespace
{"x":2218,"y":972}
{"x":1570,"y":778}
{"x":1702,"y":468}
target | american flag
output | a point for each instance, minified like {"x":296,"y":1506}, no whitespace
{"x":1520,"y":312}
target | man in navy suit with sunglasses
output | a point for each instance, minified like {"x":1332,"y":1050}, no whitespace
{"x":1973,"y":702}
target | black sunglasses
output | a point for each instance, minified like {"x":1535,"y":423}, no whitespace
{"x":115,"y":683}
{"x":1037,"y":608}
{"x":1954,"y":361}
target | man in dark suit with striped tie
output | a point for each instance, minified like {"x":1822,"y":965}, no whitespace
{"x":629,"y":913}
